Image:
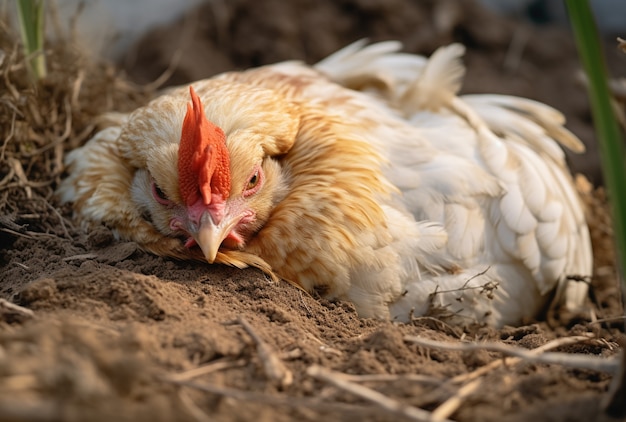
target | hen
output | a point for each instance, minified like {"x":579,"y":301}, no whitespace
{"x":364,"y":177}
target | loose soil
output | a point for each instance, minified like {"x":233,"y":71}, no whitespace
{"x":115,"y":333}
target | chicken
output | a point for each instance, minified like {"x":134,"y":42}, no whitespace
{"x":364,"y":178}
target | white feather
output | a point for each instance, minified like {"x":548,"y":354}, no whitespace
{"x":489,"y":171}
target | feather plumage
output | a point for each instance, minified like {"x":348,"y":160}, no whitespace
{"x":366,"y":178}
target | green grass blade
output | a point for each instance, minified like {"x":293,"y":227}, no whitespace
{"x":607,"y":128}
{"x":611,"y":152}
{"x":31,"y":17}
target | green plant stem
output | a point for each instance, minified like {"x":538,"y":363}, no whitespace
{"x":611,"y":153}
{"x":31,"y":17}
{"x":607,"y":128}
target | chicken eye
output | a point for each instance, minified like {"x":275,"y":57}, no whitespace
{"x":254,"y":180}
{"x":159,"y":195}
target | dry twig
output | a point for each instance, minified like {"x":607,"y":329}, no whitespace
{"x":274,"y":368}
{"x":565,"y":341}
{"x":276,"y":400}
{"x":425,"y":379}
{"x":7,"y":307}
{"x":474,"y":382}
{"x":215,"y":366}
{"x":21,"y":175}
{"x":578,"y":361}
{"x":390,"y":405}
{"x":192,"y":408}
{"x":80,"y":257}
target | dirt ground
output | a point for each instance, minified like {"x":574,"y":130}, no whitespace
{"x":106,"y":331}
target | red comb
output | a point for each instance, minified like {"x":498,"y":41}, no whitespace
{"x":203,"y":160}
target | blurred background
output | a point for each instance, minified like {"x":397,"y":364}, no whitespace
{"x":114,"y":25}
{"x":517,"y":47}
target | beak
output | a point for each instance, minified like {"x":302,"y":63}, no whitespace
{"x":210,"y":235}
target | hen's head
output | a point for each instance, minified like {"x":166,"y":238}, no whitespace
{"x":228,"y":182}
